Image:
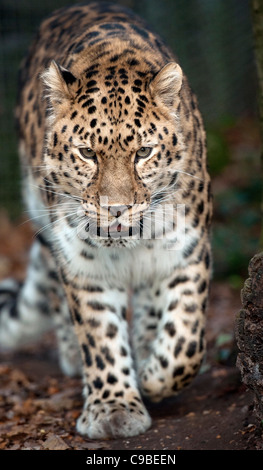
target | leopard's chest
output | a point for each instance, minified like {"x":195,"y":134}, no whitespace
{"x":146,"y":262}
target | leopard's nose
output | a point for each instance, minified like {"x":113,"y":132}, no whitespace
{"x":118,"y":210}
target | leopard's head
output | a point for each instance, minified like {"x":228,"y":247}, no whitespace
{"x":114,"y":146}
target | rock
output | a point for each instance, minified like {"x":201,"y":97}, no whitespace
{"x":249,"y":333}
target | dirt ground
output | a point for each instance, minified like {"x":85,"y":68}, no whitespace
{"x":39,"y":406}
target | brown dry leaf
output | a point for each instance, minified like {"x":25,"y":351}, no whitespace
{"x":52,"y":390}
{"x":3,"y":445}
{"x":219,"y":373}
{"x":19,"y":378}
{"x":201,"y":397}
{"x":31,"y":445}
{"x":44,"y":419}
{"x":4,"y":370}
{"x":81,"y":443}
{"x":15,"y":447}
{"x":6,"y":427}
{"x":15,"y":241}
{"x":15,"y":430}
{"x":54,"y":442}
{"x":57,"y":402}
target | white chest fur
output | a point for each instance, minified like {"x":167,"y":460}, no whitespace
{"x":146,"y":261}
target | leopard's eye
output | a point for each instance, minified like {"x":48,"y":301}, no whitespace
{"x":87,"y":153}
{"x":144,"y":152}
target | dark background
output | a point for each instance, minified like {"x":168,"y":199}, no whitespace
{"x":214,"y":44}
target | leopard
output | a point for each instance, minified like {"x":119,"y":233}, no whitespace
{"x":114,"y":173}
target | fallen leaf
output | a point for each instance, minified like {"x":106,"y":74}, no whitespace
{"x":54,"y":442}
{"x":219,"y":373}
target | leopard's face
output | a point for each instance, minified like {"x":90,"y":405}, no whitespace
{"x":114,"y":148}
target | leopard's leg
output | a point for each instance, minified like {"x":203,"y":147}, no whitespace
{"x":145,"y":321}
{"x":169,"y":360}
{"x":113,"y":406}
{"x":24,"y":308}
{"x":29,"y":309}
{"x":68,"y":347}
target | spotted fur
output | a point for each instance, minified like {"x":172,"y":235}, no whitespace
{"x":110,"y":133}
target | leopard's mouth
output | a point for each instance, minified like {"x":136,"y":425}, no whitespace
{"x":115,"y":230}
{"x":118,"y":227}
{"x":118,"y":230}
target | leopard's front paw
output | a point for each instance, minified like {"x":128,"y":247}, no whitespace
{"x":114,"y":420}
{"x":159,"y":379}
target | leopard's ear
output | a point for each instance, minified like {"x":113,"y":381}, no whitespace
{"x":60,"y":83}
{"x":166,"y":85}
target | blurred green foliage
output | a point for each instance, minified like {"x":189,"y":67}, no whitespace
{"x":217,"y":150}
{"x":236,"y":230}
